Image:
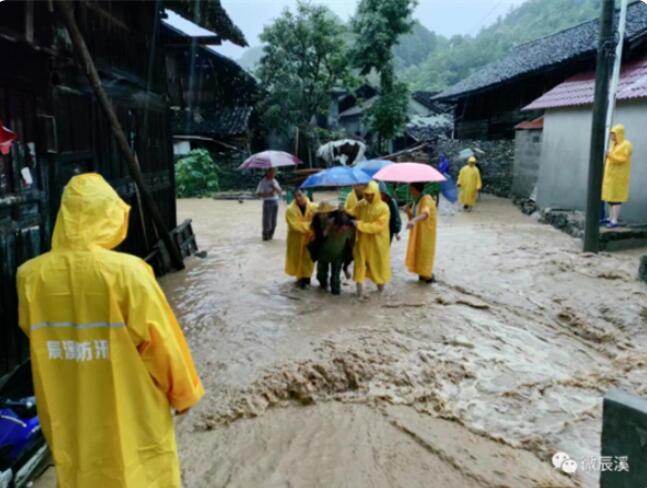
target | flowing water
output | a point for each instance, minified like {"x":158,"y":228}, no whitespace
{"x":474,"y":381}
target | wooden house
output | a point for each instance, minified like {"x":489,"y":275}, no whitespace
{"x":212,"y":98}
{"x":46,"y":100}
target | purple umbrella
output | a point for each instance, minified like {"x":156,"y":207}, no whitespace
{"x":270,"y":159}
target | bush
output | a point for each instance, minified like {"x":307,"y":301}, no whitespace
{"x":196,"y":175}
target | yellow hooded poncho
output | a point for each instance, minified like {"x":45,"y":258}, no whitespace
{"x":617,"y":169}
{"x":372,"y":245}
{"x":108,"y":356}
{"x":469,"y":181}
{"x":351,"y":202}
{"x":421,"y":248}
{"x":297,"y":258}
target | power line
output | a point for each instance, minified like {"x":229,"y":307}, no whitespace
{"x":479,"y":24}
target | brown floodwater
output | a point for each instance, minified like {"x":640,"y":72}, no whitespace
{"x":475,"y":381}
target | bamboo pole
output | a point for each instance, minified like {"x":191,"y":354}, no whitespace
{"x":67,"y":12}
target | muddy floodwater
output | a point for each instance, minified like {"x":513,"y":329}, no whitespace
{"x":475,"y":381}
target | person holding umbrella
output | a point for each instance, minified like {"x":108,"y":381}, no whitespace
{"x":372,"y":252}
{"x":421,"y":248}
{"x":299,"y":219}
{"x":270,"y":191}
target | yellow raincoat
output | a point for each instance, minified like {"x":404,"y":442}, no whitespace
{"x":372,"y":245}
{"x":617,"y":169}
{"x":469,"y":181}
{"x":351,"y":202}
{"x":421,"y":248}
{"x":108,"y":356}
{"x":297,"y":258}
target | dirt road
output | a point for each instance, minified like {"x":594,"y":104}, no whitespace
{"x":472,"y":382}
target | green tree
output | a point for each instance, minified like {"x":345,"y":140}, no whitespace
{"x":377,"y":25}
{"x":196,"y":175}
{"x":304,"y":58}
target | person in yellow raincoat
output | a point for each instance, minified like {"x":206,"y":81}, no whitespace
{"x":421,"y":248}
{"x":469,"y":182}
{"x":353,"y":198}
{"x":617,"y":169}
{"x":109,"y":359}
{"x":371,"y":253}
{"x":299,"y":219}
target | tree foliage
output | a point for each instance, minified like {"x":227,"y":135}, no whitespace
{"x":389,"y":113}
{"x":303,"y":60}
{"x":377,"y":26}
{"x":196,"y":175}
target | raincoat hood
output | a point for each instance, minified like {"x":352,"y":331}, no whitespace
{"x":91,"y":215}
{"x":471,"y":160}
{"x":372,"y":188}
{"x":619,"y":131}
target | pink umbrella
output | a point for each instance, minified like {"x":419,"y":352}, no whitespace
{"x":409,"y":173}
{"x":270,"y":159}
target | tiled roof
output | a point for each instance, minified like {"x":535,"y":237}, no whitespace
{"x":425,"y":98}
{"x":223,"y":122}
{"x":537,"y":123}
{"x":538,"y":55}
{"x":579,"y":89}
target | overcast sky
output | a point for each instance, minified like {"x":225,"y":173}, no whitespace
{"x":445,"y":17}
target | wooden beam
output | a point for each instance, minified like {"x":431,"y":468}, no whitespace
{"x":191,"y":41}
{"x":66,"y":9}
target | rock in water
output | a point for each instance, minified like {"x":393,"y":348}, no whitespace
{"x":642,"y":272}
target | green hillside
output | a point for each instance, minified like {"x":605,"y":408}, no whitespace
{"x":429,"y":61}
{"x":451,"y":60}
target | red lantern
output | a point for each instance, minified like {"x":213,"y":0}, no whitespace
{"x":6,"y":139}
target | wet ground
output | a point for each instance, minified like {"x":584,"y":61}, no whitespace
{"x":474,"y":381}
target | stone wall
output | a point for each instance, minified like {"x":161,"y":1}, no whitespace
{"x":495,"y":160}
{"x":527,"y":156}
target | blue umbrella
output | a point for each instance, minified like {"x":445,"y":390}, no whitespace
{"x":337,"y":176}
{"x":372,"y":166}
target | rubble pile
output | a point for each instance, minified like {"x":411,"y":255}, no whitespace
{"x":569,"y":221}
{"x":527,"y":205}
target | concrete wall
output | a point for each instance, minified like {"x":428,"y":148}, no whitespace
{"x":527,"y":154}
{"x":563,"y":173}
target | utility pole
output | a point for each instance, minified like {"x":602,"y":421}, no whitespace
{"x":617,"y":65}
{"x":598,"y":129}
